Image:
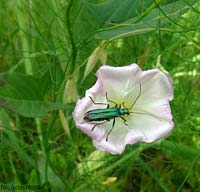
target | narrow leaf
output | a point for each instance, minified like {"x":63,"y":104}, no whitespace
{"x":30,"y":108}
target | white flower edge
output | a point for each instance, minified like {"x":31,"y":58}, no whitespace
{"x":122,"y":84}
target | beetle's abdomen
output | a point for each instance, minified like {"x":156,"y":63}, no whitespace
{"x":102,"y":114}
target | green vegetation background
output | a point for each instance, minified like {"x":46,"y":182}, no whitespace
{"x":49,"y":53}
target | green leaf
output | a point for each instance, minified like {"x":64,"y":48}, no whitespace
{"x":182,"y":150}
{"x":20,"y":86}
{"x":144,"y":18}
{"x":153,"y":174}
{"x":84,"y":27}
{"x":54,"y":180}
{"x":116,"y":10}
{"x":25,"y":95}
{"x":31,"y":108}
{"x":10,"y":139}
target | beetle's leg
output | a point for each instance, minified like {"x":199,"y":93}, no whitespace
{"x":110,"y":129}
{"x":93,"y":127}
{"x":124,"y":120}
{"x":99,"y":124}
{"x":97,"y":103}
{"x":110,"y":100}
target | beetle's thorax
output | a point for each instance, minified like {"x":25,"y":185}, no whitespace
{"x":124,"y":111}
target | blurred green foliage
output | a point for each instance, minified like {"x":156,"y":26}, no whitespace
{"x":46,"y":44}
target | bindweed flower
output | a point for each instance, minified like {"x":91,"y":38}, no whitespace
{"x":135,"y":107}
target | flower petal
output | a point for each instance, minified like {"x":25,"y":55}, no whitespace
{"x":117,"y":81}
{"x":161,"y":109}
{"x":81,"y":108}
{"x":147,"y":128}
{"x":156,"y":85}
{"x":115,"y":143}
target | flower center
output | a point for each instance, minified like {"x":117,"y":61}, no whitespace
{"x":122,"y":103}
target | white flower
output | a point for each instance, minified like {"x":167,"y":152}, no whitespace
{"x":144,"y":94}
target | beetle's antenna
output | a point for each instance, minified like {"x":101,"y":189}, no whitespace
{"x":143,"y":113}
{"x":136,"y":97}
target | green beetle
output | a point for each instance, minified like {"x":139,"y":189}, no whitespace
{"x":101,"y":116}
